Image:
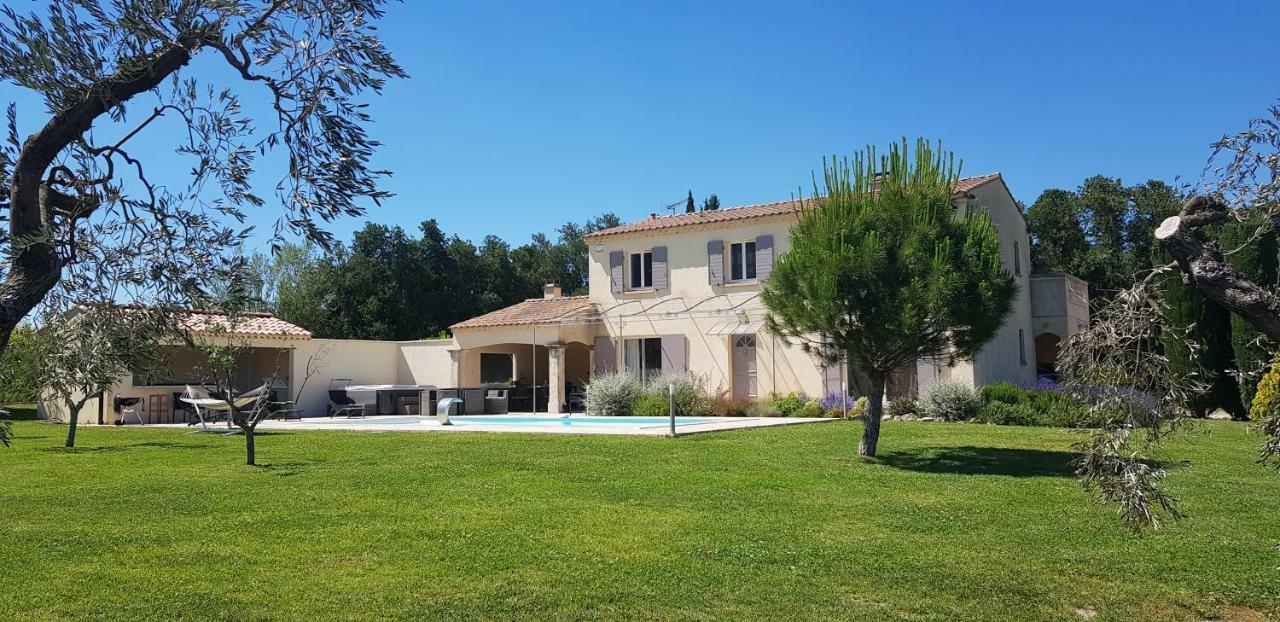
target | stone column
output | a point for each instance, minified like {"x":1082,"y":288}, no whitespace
{"x":555,"y":377}
{"x":455,"y":367}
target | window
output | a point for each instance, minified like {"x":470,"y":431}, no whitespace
{"x":742,"y":261}
{"x":641,"y":270}
{"x":496,"y":368}
{"x":1017,"y":259}
{"x":643,"y":357}
{"x":1022,"y":347}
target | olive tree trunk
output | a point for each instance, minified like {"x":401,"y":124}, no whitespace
{"x":872,"y":415}
{"x":248,"y":447}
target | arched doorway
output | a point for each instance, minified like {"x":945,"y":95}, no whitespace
{"x":1047,"y":346}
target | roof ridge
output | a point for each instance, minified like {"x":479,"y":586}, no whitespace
{"x":740,"y":212}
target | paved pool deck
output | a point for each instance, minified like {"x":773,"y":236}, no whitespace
{"x":475,"y":423}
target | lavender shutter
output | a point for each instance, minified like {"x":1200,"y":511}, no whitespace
{"x":764,"y":256}
{"x":606,"y":351}
{"x":715,"y":262}
{"x":615,"y":271}
{"x":659,"y":267}
{"x":673,"y":355}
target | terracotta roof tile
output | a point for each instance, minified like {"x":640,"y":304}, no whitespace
{"x":744,"y":212}
{"x":534,"y":310}
{"x":248,"y":324}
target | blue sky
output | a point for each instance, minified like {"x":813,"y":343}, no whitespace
{"x":520,"y":116}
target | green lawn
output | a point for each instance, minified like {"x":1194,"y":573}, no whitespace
{"x":954,"y":522}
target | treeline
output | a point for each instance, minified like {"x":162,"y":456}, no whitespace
{"x":1102,"y":231}
{"x":389,"y":284}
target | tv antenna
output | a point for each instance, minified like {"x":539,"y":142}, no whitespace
{"x":672,"y":208}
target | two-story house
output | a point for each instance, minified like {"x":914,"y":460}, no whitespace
{"x":682,"y":293}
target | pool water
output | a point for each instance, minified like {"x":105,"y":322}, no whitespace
{"x":556,"y":422}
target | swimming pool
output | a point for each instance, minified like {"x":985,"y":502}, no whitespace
{"x":538,"y":424}
{"x":535,"y":421}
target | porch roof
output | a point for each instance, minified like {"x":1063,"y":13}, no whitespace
{"x":535,"y":311}
{"x":246,"y":324}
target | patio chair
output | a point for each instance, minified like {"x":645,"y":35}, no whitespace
{"x":340,"y":402}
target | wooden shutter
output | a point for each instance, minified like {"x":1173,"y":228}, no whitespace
{"x":660,"y":267}
{"x":606,"y":351}
{"x":715,"y":262}
{"x":615,"y":271}
{"x":673,"y":355}
{"x":764,"y":256}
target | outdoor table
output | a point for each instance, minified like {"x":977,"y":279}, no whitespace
{"x":385,"y":395}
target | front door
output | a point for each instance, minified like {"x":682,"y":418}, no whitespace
{"x":744,"y":367}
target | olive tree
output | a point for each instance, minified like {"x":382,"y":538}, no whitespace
{"x":883,"y":271}
{"x":1136,"y":397}
{"x":86,"y":218}
{"x":85,"y":352}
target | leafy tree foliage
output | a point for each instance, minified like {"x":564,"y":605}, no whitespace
{"x":387,"y":284}
{"x":87,"y":223}
{"x":85,"y":352}
{"x":882,"y":272}
{"x":19,"y":367}
{"x":711,"y":203}
{"x":1099,"y":232}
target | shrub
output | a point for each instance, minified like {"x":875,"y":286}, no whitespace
{"x":787,"y":403}
{"x":950,"y":401}
{"x":1060,"y":410}
{"x":763,"y":409}
{"x":650,"y":405}
{"x":859,"y":407}
{"x":612,"y":394}
{"x":811,"y":409}
{"x":728,"y":406}
{"x":835,"y":403}
{"x":691,"y":395}
{"x":903,"y":407}
{"x":1004,"y":392}
{"x":1266,"y":401}
{"x":1004,"y":413}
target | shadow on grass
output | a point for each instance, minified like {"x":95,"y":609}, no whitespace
{"x":104,"y":449}
{"x":971,"y":460}
{"x":287,"y":469}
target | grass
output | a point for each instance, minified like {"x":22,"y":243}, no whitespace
{"x":953,"y":522}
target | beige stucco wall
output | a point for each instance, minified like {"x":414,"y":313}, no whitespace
{"x":1008,"y":356}
{"x":691,"y":306}
{"x":363,"y":362}
{"x":426,"y":362}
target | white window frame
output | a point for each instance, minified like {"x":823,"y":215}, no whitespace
{"x":737,"y":251}
{"x":646,"y":276}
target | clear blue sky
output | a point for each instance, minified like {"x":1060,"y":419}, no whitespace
{"x":520,"y":116}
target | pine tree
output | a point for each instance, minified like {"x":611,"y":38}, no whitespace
{"x":689,"y":207}
{"x":711,"y":203}
{"x":882,"y":272}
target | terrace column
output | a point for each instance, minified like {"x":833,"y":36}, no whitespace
{"x":455,"y":365}
{"x":555,"y":377}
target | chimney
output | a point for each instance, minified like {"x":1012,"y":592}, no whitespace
{"x":551,"y":290}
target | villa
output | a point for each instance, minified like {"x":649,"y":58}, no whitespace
{"x":678,"y":293}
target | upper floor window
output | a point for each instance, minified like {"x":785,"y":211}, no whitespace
{"x":742,"y":261}
{"x":641,"y":270}
{"x":1017,"y":259}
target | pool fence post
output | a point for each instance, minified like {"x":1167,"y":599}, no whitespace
{"x":671,"y":399}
